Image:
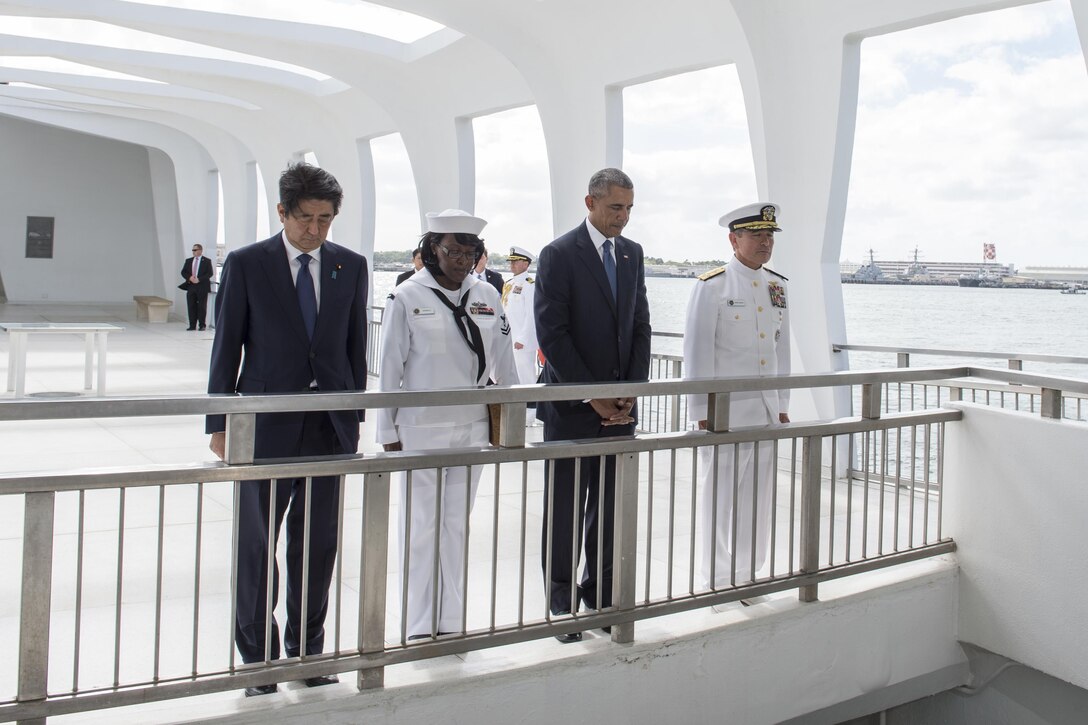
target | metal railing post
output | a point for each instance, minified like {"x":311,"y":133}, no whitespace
{"x":241,"y":429}
{"x":625,"y":543}
{"x":35,"y":606}
{"x":674,"y":419}
{"x":372,"y":575}
{"x":512,"y":425}
{"x":811,"y":470}
{"x":902,"y":360}
{"x":870,"y":401}
{"x":717,"y":412}
{"x":1050,"y":403}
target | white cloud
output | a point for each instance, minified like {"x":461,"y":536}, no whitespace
{"x":686,"y":148}
{"x":986,"y":143}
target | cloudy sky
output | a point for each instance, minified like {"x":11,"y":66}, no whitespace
{"x":969,"y":131}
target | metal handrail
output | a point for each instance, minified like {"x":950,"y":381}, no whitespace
{"x":40,"y":488}
{"x":1027,"y":356}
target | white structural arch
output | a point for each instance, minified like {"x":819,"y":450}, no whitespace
{"x":299,"y":87}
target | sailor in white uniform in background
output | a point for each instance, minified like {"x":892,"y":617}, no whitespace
{"x":442,"y":328}
{"x":517,"y":300}
{"x":738,"y":325}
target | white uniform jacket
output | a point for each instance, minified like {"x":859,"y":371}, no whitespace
{"x":517,"y":300}
{"x":738,"y":325}
{"x":422,"y":350}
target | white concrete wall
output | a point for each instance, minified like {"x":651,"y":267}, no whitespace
{"x":763,"y":664}
{"x":1017,"y":504}
{"x":99,"y":192}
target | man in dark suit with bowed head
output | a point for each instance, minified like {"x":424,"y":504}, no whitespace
{"x":197,"y":273}
{"x":292,"y":314}
{"x":593,"y":325}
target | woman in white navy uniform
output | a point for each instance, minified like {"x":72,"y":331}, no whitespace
{"x":738,"y":325}
{"x":442,"y":328}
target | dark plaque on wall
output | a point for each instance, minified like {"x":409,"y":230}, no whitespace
{"x":39,"y":237}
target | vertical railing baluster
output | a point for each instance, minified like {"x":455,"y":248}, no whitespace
{"x":625,"y":543}
{"x":372,"y":574}
{"x":811,"y":467}
{"x":35,"y":605}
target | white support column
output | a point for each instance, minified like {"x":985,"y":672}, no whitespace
{"x":803,"y":69}
{"x":1080,"y":18}
{"x":583,"y":128}
{"x":366,"y":198}
{"x":434,"y":151}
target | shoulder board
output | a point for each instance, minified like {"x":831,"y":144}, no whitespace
{"x":711,"y":274}
{"x":391,"y":296}
{"x":529,"y":280}
{"x":776,"y":274}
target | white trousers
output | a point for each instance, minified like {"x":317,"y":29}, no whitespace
{"x":430,"y":527}
{"x":525,"y":362}
{"x":755,"y":481}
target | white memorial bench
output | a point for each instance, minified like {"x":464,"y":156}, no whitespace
{"x":151,"y":308}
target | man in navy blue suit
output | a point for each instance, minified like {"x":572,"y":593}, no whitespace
{"x":593,"y":325}
{"x":291,"y":314}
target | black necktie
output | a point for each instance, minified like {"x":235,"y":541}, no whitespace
{"x":307,"y":297}
{"x":610,"y":267}
{"x":470,"y":332}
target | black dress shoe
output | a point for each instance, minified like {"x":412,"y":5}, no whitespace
{"x":190,"y":329}
{"x":261,"y":690}
{"x":202,"y":328}
{"x":568,"y":638}
{"x":321,"y":680}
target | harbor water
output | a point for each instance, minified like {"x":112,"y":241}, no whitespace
{"x":1021,"y":321}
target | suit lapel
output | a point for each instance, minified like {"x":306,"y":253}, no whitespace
{"x":281,"y":285}
{"x":587,"y":253}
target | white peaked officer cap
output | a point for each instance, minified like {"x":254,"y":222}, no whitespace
{"x":752,"y":217}
{"x":520,"y":253}
{"x":454,"y":221}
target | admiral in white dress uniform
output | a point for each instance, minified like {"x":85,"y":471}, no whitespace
{"x":517,"y":300}
{"x":738,"y":325}
{"x":442,"y":328}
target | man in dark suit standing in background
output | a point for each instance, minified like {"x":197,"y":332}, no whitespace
{"x":593,"y":325}
{"x":490,"y":276}
{"x":417,"y":263}
{"x":296,"y":306}
{"x":197,"y":273}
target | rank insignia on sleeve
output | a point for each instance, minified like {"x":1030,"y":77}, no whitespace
{"x":778,"y":294}
{"x":505,"y":329}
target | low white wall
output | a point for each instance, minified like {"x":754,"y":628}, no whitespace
{"x":99,"y":193}
{"x":1017,"y":505}
{"x":763,"y":664}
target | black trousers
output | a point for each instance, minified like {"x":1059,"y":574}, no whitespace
{"x":318,"y":438}
{"x":579,"y":510}
{"x":197,"y":303}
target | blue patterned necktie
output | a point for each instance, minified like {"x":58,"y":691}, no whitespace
{"x":610,"y":267}
{"x":307,"y":298}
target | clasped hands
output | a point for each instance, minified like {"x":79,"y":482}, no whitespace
{"x":614,"y":411}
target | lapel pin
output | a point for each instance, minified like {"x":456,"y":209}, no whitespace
{"x":338,"y":268}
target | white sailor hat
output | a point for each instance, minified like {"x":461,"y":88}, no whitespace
{"x":752,"y":217}
{"x":454,"y":221}
{"x":520,"y":253}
